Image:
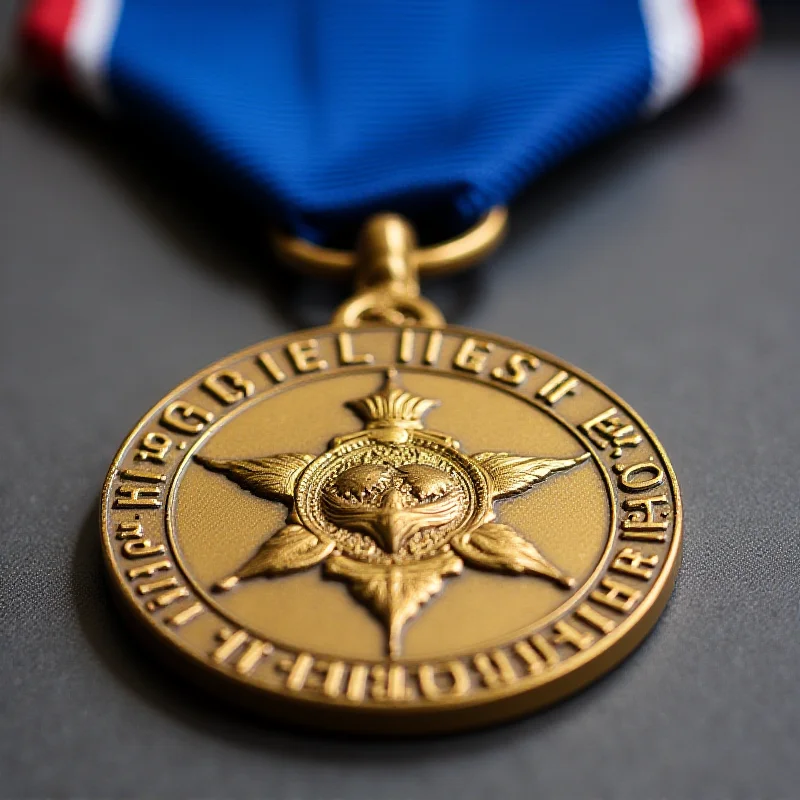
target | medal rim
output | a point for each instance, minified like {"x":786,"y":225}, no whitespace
{"x":446,"y":714}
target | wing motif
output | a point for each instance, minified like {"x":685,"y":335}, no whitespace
{"x":291,"y":549}
{"x":272,"y":477}
{"x":513,"y":475}
{"x":499,"y":547}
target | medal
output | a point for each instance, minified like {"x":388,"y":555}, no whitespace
{"x":390,"y":523}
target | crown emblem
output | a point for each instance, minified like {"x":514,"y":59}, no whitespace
{"x":392,"y":407}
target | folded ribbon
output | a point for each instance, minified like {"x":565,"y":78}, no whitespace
{"x":333,"y":109}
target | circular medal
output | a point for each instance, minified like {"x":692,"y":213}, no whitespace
{"x":393,"y":529}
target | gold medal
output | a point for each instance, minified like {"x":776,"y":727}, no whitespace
{"x":390,"y":524}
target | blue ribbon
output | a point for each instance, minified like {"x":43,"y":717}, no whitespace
{"x":333,"y":109}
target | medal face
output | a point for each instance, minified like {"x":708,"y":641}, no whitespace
{"x":396,"y":530}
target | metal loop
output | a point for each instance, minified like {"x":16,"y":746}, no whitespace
{"x":441,"y":259}
{"x":388,"y":308}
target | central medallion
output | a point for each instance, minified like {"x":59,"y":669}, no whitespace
{"x":393,"y":509}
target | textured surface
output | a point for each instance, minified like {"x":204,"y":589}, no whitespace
{"x":664,"y":262}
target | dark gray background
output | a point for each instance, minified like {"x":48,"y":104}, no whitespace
{"x":665,"y":262}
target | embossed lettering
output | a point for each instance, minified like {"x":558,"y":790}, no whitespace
{"x":297,"y":670}
{"x":347,"y":353}
{"x":130,"y":530}
{"x":142,"y":497}
{"x":142,"y":476}
{"x":357,"y":683}
{"x":565,"y":633}
{"x":156,"y":586}
{"x":239,"y":643}
{"x":544,"y":649}
{"x":154,"y":447}
{"x":406,"y":349}
{"x":332,"y":675}
{"x":186,"y":615}
{"x":179,"y":416}
{"x":305,"y":356}
{"x":532,"y":660}
{"x":307,"y":673}
{"x":494,"y":667}
{"x":472,"y":355}
{"x":516,"y":369}
{"x":558,"y":387}
{"x":407,"y":346}
{"x":629,"y":562}
{"x":433,"y":349}
{"x":616,"y":595}
{"x":641,"y":523}
{"x":174,"y":592}
{"x":141,"y":548}
{"x":450,"y":678}
{"x":389,"y":684}
{"x":228,"y":386}
{"x":640,"y":477}
{"x":270,"y":366}
{"x":594,"y":618}
{"x":608,"y":428}
{"x":167,"y":598}
{"x":148,"y":570}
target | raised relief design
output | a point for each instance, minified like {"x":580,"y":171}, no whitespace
{"x":393,"y":509}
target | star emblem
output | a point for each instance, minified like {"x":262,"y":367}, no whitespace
{"x":393,"y":509}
